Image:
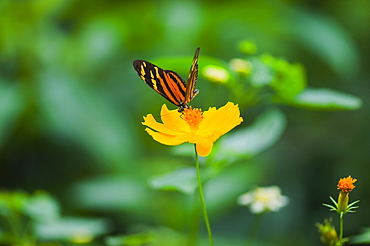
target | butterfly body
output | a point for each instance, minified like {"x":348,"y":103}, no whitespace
{"x":168,"y":83}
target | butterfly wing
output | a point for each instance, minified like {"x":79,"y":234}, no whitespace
{"x":167,"y":83}
{"x":192,"y":79}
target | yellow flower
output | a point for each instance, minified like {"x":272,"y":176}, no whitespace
{"x":241,"y":66}
{"x":216,"y":74}
{"x":193,"y":126}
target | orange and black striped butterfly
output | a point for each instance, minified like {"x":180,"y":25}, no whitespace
{"x":168,"y":83}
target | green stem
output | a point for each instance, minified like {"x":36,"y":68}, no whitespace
{"x":202,"y":199}
{"x":255,"y":228}
{"x":341,"y":228}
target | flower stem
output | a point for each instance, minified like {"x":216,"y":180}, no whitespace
{"x":341,"y":229}
{"x":202,"y":199}
{"x":255,"y":228}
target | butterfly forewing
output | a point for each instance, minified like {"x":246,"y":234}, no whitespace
{"x":176,"y":86}
{"x":192,"y":79}
{"x":168,"y":83}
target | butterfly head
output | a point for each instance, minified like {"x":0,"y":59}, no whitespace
{"x":182,"y":107}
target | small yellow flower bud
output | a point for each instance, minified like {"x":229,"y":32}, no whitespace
{"x":247,"y":47}
{"x":343,"y":199}
{"x":328,"y":233}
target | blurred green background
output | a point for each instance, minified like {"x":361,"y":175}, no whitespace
{"x":71,"y":107}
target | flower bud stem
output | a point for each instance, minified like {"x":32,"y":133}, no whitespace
{"x":255,"y":228}
{"x":341,"y":228}
{"x":202,"y":199}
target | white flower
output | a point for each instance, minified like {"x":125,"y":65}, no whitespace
{"x":263,"y":199}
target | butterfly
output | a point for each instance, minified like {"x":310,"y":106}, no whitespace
{"x":168,"y":83}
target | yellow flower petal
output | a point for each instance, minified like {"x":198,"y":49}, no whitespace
{"x":221,"y":121}
{"x":204,"y":148}
{"x":165,"y":138}
{"x":152,"y":123}
{"x":172,"y":120}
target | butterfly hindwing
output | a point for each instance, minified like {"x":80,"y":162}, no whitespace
{"x":168,"y":83}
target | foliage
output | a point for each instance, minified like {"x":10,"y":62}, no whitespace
{"x":35,"y":219}
{"x":71,"y":106}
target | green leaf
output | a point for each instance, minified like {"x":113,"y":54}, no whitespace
{"x":74,"y":229}
{"x":42,"y":207}
{"x":324,"y":37}
{"x":252,"y":140}
{"x":111,"y":192}
{"x":131,"y":240}
{"x":160,"y":236}
{"x":183,"y":179}
{"x":12,"y":202}
{"x":289,"y":79}
{"x":262,"y":74}
{"x":364,"y":237}
{"x":323,"y":99}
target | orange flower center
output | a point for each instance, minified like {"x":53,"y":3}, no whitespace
{"x":193,"y":116}
{"x":346,"y":184}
